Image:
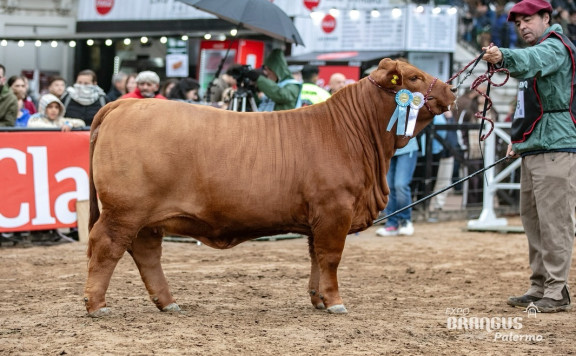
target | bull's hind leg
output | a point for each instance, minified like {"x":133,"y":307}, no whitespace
{"x":314,"y":283}
{"x":329,"y":240}
{"x":104,"y":253}
{"x":146,"y":250}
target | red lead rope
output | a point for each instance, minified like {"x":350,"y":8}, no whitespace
{"x":486,"y":77}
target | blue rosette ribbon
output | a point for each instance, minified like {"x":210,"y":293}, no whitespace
{"x":415,"y":105}
{"x":403,"y":99}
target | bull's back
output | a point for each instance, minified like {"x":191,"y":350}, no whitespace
{"x":194,"y":159}
{"x":158,"y":136}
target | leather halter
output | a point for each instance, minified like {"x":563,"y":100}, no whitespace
{"x":426,"y":96}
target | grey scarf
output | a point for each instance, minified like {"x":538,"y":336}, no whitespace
{"x":85,"y":94}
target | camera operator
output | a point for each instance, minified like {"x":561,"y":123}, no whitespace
{"x":281,"y":91}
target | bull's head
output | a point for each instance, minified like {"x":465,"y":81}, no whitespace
{"x":391,"y":76}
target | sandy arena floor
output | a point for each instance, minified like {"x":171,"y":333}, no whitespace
{"x":252,"y":300}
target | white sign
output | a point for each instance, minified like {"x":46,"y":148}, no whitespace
{"x":177,"y":65}
{"x":402,"y":28}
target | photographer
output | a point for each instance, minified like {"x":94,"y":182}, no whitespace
{"x":281,"y":91}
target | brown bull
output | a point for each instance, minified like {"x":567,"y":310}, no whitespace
{"x":225,"y":177}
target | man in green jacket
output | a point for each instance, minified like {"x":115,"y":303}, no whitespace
{"x":8,"y":102}
{"x":281,"y":91}
{"x":544,"y":135}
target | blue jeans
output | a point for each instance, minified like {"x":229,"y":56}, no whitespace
{"x":399,"y":177}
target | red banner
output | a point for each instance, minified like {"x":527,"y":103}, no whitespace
{"x":42,"y":175}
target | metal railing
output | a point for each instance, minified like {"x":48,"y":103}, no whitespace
{"x":497,"y":182}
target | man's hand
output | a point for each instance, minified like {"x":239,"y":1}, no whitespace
{"x":510,"y":153}
{"x":492,"y":55}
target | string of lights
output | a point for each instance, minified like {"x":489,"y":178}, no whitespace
{"x":127,"y":41}
{"x":395,"y":12}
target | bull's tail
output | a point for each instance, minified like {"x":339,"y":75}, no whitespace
{"x":98,"y":119}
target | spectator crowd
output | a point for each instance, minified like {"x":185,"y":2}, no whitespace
{"x":483,"y":22}
{"x":275,"y":86}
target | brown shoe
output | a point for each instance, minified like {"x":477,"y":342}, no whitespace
{"x":522,"y":301}
{"x":549,"y":305}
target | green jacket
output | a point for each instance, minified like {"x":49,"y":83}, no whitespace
{"x":8,"y":106}
{"x":285,"y":97}
{"x":549,"y":61}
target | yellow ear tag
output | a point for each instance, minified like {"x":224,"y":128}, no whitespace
{"x":394,"y":79}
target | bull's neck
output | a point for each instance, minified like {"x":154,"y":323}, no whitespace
{"x":363,"y":113}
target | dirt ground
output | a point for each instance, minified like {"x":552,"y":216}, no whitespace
{"x":252,"y":300}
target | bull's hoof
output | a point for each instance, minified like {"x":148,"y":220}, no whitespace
{"x":100,"y":313}
{"x":320,"y":306}
{"x":337,"y":309}
{"x":172,"y":308}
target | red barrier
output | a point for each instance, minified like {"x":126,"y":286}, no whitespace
{"x":42,"y":174}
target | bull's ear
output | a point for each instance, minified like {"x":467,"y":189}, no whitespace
{"x":388,"y":74}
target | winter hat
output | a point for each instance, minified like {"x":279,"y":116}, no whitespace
{"x":528,"y":8}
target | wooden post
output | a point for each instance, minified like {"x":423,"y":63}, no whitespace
{"x":83,"y":213}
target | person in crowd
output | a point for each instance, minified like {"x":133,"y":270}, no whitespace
{"x":185,"y":90}
{"x":399,"y":178}
{"x":446,"y":164}
{"x":130,"y":83}
{"x":483,"y":16}
{"x":85,"y":98}
{"x":51,"y":114}
{"x":281,"y":91}
{"x":430,"y":180}
{"x":466,"y":24}
{"x":559,"y":5}
{"x":544,"y":136}
{"x":337,"y":81}
{"x":562,"y":18}
{"x":118,"y":86}
{"x":29,"y":102}
{"x":221,"y":84}
{"x":8,"y":102}
{"x":167,"y":86}
{"x":147,"y":85}
{"x":23,"y":115}
{"x":311,"y":92}
{"x":464,"y":113}
{"x":571,"y":26}
{"x":57,"y":86}
{"x":502,"y":31}
{"x":296,"y":71}
{"x":16,"y":83}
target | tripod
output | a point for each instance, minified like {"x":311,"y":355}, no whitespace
{"x":240,"y":98}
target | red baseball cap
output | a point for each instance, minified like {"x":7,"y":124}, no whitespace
{"x":528,"y":8}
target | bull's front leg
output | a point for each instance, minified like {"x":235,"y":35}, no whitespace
{"x":329,"y":241}
{"x":146,"y":250}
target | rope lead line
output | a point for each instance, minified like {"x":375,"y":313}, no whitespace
{"x":441,"y":190}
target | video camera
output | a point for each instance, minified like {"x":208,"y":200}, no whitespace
{"x":240,"y":74}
